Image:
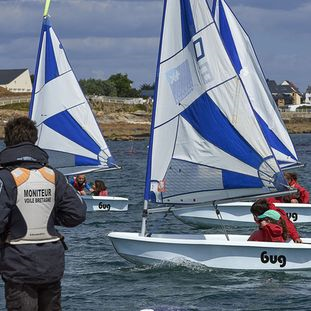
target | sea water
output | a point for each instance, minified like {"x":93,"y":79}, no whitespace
{"x":96,"y":278}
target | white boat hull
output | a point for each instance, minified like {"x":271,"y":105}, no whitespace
{"x":212,"y":250}
{"x":105,"y":203}
{"x":238,"y":214}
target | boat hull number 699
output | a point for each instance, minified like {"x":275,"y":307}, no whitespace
{"x":103,"y":206}
{"x":274,"y":259}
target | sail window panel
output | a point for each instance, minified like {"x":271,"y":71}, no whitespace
{"x":254,"y":79}
{"x":59,"y":52}
{"x":185,"y":77}
{"x":48,"y":102}
{"x":210,"y":196}
{"x":184,"y":177}
{"x":192,"y":147}
{"x":172,"y":31}
{"x":57,"y":142}
{"x":163,"y":149}
{"x":234,"y":104}
{"x":60,"y":159}
{"x":40,"y":78}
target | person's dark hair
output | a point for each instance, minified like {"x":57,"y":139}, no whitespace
{"x":281,"y":222}
{"x":259,"y":207}
{"x":294,"y":176}
{"x":99,"y":186}
{"x":20,"y":130}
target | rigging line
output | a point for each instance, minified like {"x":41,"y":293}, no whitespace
{"x":159,"y":223}
{"x":219,"y":216}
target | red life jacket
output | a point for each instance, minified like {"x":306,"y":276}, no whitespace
{"x":77,"y":186}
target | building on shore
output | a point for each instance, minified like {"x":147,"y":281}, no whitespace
{"x":16,"y":80}
{"x":285,"y":94}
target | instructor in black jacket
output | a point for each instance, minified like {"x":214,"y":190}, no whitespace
{"x":34,"y":198}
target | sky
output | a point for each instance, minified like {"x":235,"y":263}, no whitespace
{"x":104,"y":37}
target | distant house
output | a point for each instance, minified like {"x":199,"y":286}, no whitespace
{"x":16,"y":80}
{"x":285,"y":93}
{"x":295,"y":93}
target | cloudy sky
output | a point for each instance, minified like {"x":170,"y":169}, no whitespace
{"x":103,"y":37}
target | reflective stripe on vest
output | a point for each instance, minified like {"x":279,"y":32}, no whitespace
{"x":35,"y":201}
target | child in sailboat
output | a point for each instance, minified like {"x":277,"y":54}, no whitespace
{"x":80,"y":184}
{"x":99,"y":188}
{"x":263,"y":205}
{"x":272,"y":228}
{"x":302,"y":196}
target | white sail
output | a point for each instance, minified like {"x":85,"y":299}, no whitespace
{"x":206,"y":141}
{"x":67,"y":127}
{"x":246,"y":64}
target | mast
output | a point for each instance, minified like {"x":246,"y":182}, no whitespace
{"x":149,"y":159}
{"x":46,"y":8}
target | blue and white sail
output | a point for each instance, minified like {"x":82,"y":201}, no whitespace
{"x":206,"y":141}
{"x":67,"y":128}
{"x":246,"y":64}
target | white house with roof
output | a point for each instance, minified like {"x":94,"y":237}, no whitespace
{"x":16,"y":80}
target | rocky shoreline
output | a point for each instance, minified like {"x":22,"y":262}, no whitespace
{"x":123,"y":124}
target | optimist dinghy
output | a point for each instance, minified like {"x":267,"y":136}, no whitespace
{"x":206,"y":145}
{"x":67,"y":128}
{"x":237,"y":214}
{"x":246,"y":64}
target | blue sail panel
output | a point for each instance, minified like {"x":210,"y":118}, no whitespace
{"x":207,"y":119}
{"x":84,"y":161}
{"x":187,"y":22}
{"x":64,"y":124}
{"x":51,"y":70}
{"x":233,"y":180}
{"x":226,"y":35}
{"x":273,"y":140}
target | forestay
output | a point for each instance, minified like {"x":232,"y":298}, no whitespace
{"x":246,"y":64}
{"x":207,"y":142}
{"x":67,"y":127}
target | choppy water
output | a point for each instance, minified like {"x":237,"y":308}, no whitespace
{"x":96,"y":278}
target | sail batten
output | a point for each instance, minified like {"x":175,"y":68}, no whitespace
{"x":67,"y":128}
{"x":206,"y":142}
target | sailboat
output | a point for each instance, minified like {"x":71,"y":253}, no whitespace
{"x":206,"y":145}
{"x":67,"y":128}
{"x":246,"y":64}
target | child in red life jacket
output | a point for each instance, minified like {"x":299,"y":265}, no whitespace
{"x":263,"y":205}
{"x":80,"y":184}
{"x":302,"y":196}
{"x":99,"y":188}
{"x":272,"y":228}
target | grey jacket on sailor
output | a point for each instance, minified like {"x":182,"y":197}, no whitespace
{"x":34,"y":263}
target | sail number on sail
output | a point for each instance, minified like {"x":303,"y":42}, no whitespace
{"x":265,"y":258}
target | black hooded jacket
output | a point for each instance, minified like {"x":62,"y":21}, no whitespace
{"x":34,"y":263}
